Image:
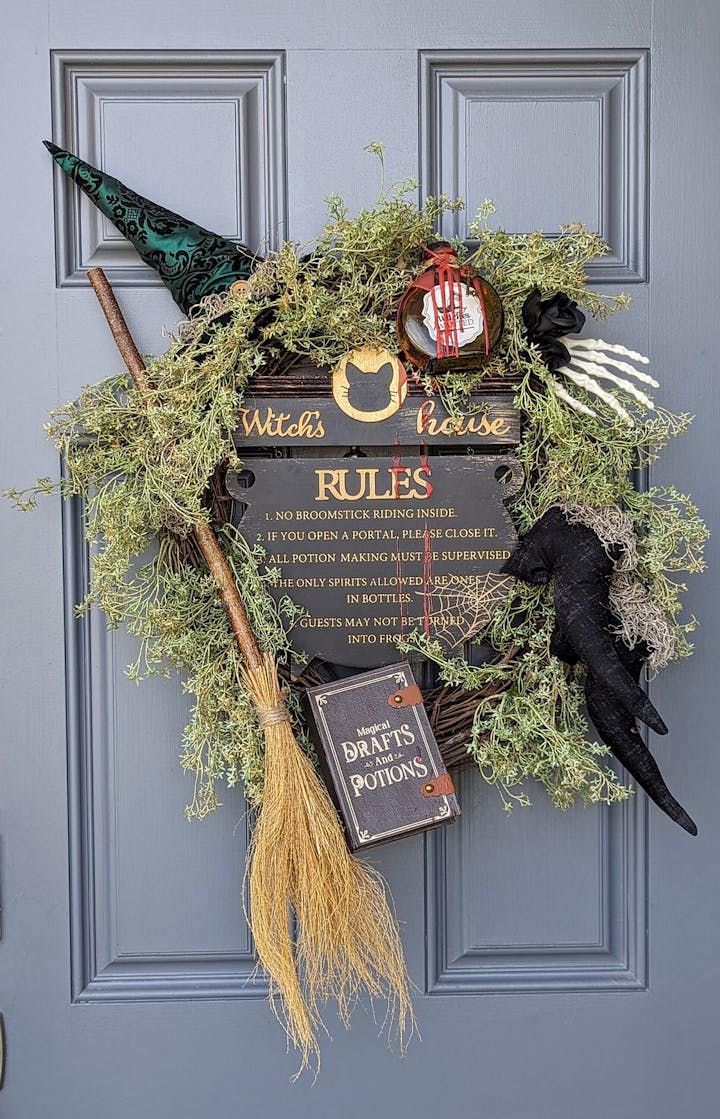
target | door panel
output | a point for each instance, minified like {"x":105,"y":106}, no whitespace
{"x":565,"y":961}
{"x":157,"y":905}
{"x":542,"y":902}
{"x":552,"y":136}
{"x":168,"y":117}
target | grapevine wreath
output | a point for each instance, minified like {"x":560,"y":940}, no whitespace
{"x":595,"y":598}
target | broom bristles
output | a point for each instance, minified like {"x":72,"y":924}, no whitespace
{"x":347,"y":938}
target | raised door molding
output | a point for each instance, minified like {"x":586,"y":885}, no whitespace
{"x":551,"y":136}
{"x":574,"y":895}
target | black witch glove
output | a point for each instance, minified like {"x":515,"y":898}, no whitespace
{"x":573,"y":556}
{"x":616,"y":726}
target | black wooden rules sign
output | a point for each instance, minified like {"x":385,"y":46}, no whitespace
{"x":377,"y":530}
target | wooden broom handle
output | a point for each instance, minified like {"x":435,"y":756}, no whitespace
{"x":206,"y":539}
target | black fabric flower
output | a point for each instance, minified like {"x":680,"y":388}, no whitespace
{"x":547,"y":320}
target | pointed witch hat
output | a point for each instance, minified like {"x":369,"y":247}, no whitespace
{"x":191,"y":261}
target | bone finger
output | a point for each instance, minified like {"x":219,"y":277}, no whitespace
{"x":586,"y":382}
{"x":605,"y":359}
{"x":611,"y":347}
{"x":562,"y":394}
{"x":606,"y":375}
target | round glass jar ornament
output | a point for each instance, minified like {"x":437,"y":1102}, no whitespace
{"x":449,"y":315}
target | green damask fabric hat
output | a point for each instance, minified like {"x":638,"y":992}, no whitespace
{"x":191,"y":261}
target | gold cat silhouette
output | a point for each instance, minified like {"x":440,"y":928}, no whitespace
{"x":369,"y":384}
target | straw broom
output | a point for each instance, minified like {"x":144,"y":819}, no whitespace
{"x":347,"y":938}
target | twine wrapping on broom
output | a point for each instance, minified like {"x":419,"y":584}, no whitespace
{"x":347,"y":939}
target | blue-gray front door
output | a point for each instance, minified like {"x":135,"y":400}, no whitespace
{"x":566,"y":963}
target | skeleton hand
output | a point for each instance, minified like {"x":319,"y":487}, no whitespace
{"x":584,"y":362}
{"x":592,"y":361}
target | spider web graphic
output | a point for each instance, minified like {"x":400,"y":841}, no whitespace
{"x":459,"y":606}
